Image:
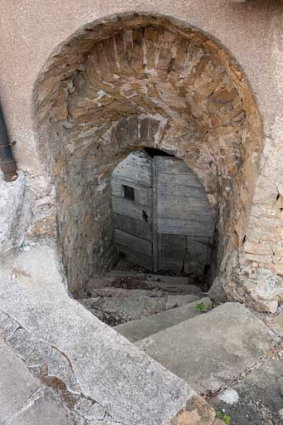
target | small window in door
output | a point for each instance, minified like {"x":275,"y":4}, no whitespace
{"x":128,"y":193}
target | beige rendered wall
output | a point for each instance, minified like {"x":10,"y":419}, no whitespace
{"x":30,"y":31}
{"x":252,"y":31}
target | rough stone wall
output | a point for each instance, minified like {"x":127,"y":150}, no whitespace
{"x":255,"y":276}
{"x":144,"y":81}
{"x":12,"y":216}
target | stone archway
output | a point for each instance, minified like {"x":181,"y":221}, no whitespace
{"x":133,"y":81}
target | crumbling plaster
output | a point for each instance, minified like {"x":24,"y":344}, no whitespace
{"x":251,"y":31}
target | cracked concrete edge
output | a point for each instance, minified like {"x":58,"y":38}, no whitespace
{"x":29,"y":402}
{"x":32,"y":277}
{"x":39,"y":358}
{"x":53,"y":368}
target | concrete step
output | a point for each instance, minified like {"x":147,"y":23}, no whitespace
{"x":139,"y":329}
{"x":117,"y":305}
{"x":212,"y":349}
{"x":114,"y":382}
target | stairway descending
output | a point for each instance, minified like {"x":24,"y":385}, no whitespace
{"x":212,"y":349}
{"x":136,"y":330}
{"x":122,"y":297}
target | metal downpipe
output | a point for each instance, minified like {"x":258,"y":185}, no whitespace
{"x":7,"y":162}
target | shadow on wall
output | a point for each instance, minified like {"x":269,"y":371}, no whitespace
{"x":134,"y":81}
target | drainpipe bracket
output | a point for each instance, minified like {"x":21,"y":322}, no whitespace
{"x":9,"y":169}
{"x":8,"y":145}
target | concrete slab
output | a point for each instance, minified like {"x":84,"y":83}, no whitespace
{"x":139,"y":329}
{"x":17,"y":384}
{"x":24,"y":400}
{"x":130,"y":386}
{"x":259,"y":399}
{"x":44,"y":410}
{"x":212,"y":349}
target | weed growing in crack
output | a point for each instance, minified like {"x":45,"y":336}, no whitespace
{"x":203,"y":307}
{"x":225,"y":418}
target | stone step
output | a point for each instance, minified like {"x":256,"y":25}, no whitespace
{"x":149,"y":276}
{"x":142,"y":328}
{"x":212,"y":349}
{"x":135,"y":280}
{"x":133,"y":283}
{"x":117,"y":305}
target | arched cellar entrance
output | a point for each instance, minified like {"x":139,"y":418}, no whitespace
{"x":163,"y":221}
{"x":136,"y":81}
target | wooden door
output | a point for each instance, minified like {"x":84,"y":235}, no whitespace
{"x":162,"y":216}
{"x":182,"y":219}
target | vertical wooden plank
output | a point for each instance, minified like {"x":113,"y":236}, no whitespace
{"x":154,"y":215}
{"x":133,"y":216}
{"x":183,"y":210}
{"x":172,"y":253}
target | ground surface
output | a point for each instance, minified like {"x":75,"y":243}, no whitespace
{"x":61,"y":365}
{"x":58,"y":339}
{"x":257,"y":398}
{"x":24,"y":399}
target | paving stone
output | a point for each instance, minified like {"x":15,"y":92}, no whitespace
{"x":82,"y":406}
{"x":213,"y":348}
{"x":96,"y":412}
{"x":260,"y":397}
{"x":2,"y":342}
{"x":45,"y":410}
{"x":42,"y":353}
{"x":59,"y":366}
{"x":3,"y":316}
{"x":8,"y":327}
{"x":22,"y":343}
{"x":16,"y":383}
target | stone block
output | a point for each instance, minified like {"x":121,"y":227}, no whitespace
{"x":197,"y":412}
{"x":13,"y":217}
{"x":276,"y":323}
{"x":44,"y":410}
{"x":16,"y":384}
{"x":269,"y":287}
{"x":257,"y":249}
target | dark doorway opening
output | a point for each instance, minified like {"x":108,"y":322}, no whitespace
{"x":156,"y":152}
